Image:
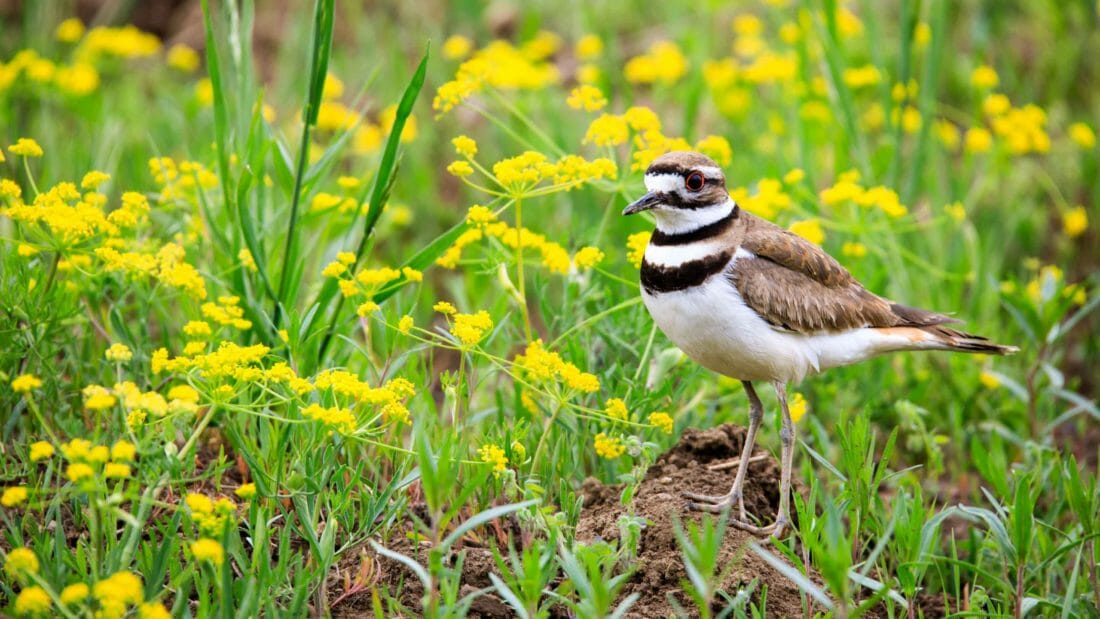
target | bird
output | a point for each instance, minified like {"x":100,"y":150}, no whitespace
{"x":750,"y":300}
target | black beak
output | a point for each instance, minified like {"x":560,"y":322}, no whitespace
{"x":646,"y":202}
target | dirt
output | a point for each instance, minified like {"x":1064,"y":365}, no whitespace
{"x":660,"y":568}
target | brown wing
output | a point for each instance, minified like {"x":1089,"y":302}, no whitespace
{"x":796,"y":286}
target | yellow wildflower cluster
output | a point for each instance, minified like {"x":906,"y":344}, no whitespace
{"x":1023,"y":129}
{"x":119,"y":352}
{"x":389,"y":398}
{"x":586,"y":97}
{"x":609,"y":447}
{"x":77,"y":78}
{"x":520,"y":175}
{"x":87,"y":461}
{"x":553,"y":256}
{"x":210,"y":516}
{"x":768,"y":200}
{"x":494,"y":455}
{"x":122,"y":42}
{"x":20,"y":563}
{"x":539,"y":364}
{"x":635,"y":245}
{"x":69,"y":217}
{"x":848,"y":189}
{"x":809,"y":229}
{"x":227,"y":311}
{"x":662,"y":421}
{"x":616,"y":409}
{"x":797,"y":406}
{"x":498,"y":65}
{"x":168,"y":266}
{"x":181,"y":180}
{"x":13,"y":496}
{"x":662,"y":63}
{"x":366,"y":282}
{"x":587,"y":257}
{"x":25,"y":383}
{"x":470,"y":328}
{"x":340,"y":419}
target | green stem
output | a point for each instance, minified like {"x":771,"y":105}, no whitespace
{"x":519,"y":267}
{"x":291,"y":236}
{"x":545,"y":432}
{"x":195,"y":435}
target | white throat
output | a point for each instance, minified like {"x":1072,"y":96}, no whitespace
{"x":682,"y":220}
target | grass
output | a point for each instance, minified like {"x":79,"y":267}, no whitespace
{"x":291,"y":435}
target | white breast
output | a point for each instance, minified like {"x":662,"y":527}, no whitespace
{"x":714,"y":327}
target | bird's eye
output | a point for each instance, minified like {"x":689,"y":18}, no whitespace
{"x":694,"y":181}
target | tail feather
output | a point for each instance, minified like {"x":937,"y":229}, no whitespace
{"x":951,"y":339}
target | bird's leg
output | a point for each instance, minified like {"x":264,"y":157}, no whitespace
{"x":786,"y":437}
{"x":736,"y":493}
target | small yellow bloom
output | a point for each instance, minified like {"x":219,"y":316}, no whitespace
{"x":607,"y":130}
{"x":119,"y":352}
{"x":957,"y":211}
{"x":636,"y":244}
{"x":26,"y":251}
{"x":444,"y":307}
{"x":588,"y":47}
{"x":69,"y":31}
{"x":284,"y":335}
{"x":587,"y":257}
{"x":334,"y":269}
{"x":984,"y":77}
{"x":123,"y":451}
{"x":32,"y":601}
{"x":797,"y":406}
{"x":978,"y":140}
{"x":78,"y":472}
{"x":795,"y":176}
{"x":457,"y":47}
{"x":92,"y":180}
{"x":41,"y":450}
{"x":465,"y":146}
{"x":116,"y":470}
{"x":208,"y":550}
{"x":662,"y":421}
{"x":460,"y":169}
{"x":25,"y":383}
{"x":183,"y":58}
{"x":989,"y":380}
{"x":153,"y":610}
{"x":1082,"y":135}
{"x":809,"y":229}
{"x":26,"y":147}
{"x":199,"y":503}
{"x":405,"y":324}
{"x":1075,"y":222}
{"x":853,"y":249}
{"x":469,"y":328}
{"x":14,"y":495}
{"x":996,"y":104}
{"x":246,"y":491}
{"x":247,"y":260}
{"x":586,"y":97}
{"x":366,"y":308}
{"x":616,"y":409}
{"x":75,"y":593}
{"x":609,"y":447}
{"x":494,"y":455}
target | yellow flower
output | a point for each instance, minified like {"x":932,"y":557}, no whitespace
{"x":119,"y":352}
{"x":989,"y":380}
{"x":809,"y":229}
{"x":120,"y":588}
{"x":92,"y":180}
{"x":797,"y":407}
{"x":457,"y":47}
{"x":978,"y":140}
{"x":460,"y":169}
{"x":78,"y":472}
{"x":26,"y":147}
{"x":183,"y":58}
{"x":663,"y":62}
{"x":956,"y":211}
{"x":636,"y":244}
{"x":13,"y":496}
{"x":860,"y":77}
{"x":587,"y":257}
{"x":69,"y":31}
{"x":405,"y":324}
{"x":662,"y":421}
{"x":717,"y":148}
{"x":247,"y":260}
{"x":444,"y":307}
{"x":123,"y":450}
{"x":795,"y":176}
{"x":40,"y":450}
{"x":153,"y":610}
{"x":25,"y":383}
{"x":366,"y":308}
{"x":32,"y":601}
{"x":1082,"y":135}
{"x":465,"y":146}
{"x":494,"y":455}
{"x":98,"y":398}
{"x":588,"y":47}
{"x":75,"y":593}
{"x":246,"y":491}
{"x":609,"y":447}
{"x":208,"y":550}
{"x":199,"y":503}
{"x":116,"y":470}
{"x":853,"y":249}
{"x":586,"y":97}
{"x":607,"y":130}
{"x":984,"y":77}
{"x":1075,"y":222}
{"x":20,"y":562}
{"x":588,"y":73}
{"x":616,"y":409}
{"x":26,"y":251}
{"x":995,"y":105}
{"x":469,"y":328}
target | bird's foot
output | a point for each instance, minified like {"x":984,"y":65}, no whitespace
{"x":715,"y":504}
{"x":719,"y":504}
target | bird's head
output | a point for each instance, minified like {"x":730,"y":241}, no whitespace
{"x":685,"y":190}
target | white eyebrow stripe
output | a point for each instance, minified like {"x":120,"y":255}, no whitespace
{"x":710,"y":171}
{"x":663,"y":183}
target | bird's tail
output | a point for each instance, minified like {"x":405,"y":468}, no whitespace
{"x":939,"y":337}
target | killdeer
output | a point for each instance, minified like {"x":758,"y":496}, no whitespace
{"x":752,"y":301}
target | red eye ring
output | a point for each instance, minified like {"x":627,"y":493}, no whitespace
{"x":694,"y":181}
